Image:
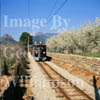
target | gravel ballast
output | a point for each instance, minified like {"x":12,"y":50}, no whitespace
{"x":39,"y":83}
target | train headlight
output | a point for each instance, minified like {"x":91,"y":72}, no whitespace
{"x":44,"y":52}
{"x":36,"y":52}
{"x":35,"y":42}
{"x":40,"y":42}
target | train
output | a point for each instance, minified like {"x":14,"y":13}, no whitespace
{"x":38,"y":52}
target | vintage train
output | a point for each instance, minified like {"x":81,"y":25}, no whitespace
{"x":38,"y":52}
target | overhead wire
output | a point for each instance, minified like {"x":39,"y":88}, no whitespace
{"x":60,"y":7}
{"x":53,"y":8}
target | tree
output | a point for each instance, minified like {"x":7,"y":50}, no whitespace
{"x":24,"y":39}
{"x":86,"y":38}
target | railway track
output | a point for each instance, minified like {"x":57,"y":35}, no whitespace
{"x":64,"y":89}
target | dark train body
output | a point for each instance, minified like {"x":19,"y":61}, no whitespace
{"x":38,"y":52}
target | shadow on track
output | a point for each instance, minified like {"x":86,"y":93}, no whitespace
{"x":48,"y":58}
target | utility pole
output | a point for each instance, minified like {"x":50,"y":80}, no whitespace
{"x":28,"y":44}
{"x":0,"y":64}
{"x":0,"y":61}
{"x":5,"y":67}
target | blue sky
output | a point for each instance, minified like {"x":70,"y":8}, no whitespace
{"x":77,"y":12}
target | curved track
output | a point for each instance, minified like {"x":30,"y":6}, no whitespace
{"x":65,"y":89}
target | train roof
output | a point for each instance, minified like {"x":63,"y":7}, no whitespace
{"x":33,"y":45}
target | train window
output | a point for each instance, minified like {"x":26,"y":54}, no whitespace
{"x":41,"y":48}
{"x":35,"y":48}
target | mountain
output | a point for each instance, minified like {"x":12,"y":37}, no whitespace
{"x":5,"y":39}
{"x":42,"y":37}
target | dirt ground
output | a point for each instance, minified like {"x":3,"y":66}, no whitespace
{"x":81,"y":73}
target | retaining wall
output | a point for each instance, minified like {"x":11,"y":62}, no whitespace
{"x":92,"y":64}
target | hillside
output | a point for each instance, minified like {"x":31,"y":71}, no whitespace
{"x":42,"y":37}
{"x":5,"y":39}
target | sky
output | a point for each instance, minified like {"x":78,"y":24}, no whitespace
{"x":39,"y":15}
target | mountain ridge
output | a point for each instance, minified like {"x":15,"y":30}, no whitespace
{"x":6,"y":38}
{"x":43,"y":37}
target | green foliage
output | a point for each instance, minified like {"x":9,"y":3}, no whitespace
{"x":24,"y":39}
{"x":97,"y":54}
{"x":10,"y":62}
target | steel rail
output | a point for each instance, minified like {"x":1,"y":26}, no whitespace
{"x":66,"y":81}
{"x":51,"y":78}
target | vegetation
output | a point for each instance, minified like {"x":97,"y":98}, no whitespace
{"x":10,"y":52}
{"x":84,"y":39}
{"x":10,"y":62}
{"x":24,"y":39}
{"x":96,"y":54}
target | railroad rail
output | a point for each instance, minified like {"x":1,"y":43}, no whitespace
{"x":66,"y":90}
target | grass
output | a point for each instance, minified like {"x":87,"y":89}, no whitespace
{"x":90,"y":54}
{"x":9,"y":61}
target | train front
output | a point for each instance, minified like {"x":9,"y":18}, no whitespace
{"x":39,"y":52}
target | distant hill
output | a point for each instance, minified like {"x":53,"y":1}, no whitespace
{"x":5,"y":39}
{"x":42,"y":36}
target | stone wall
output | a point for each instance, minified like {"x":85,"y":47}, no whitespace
{"x":92,"y":64}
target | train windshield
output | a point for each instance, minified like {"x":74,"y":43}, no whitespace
{"x":42,"y":47}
